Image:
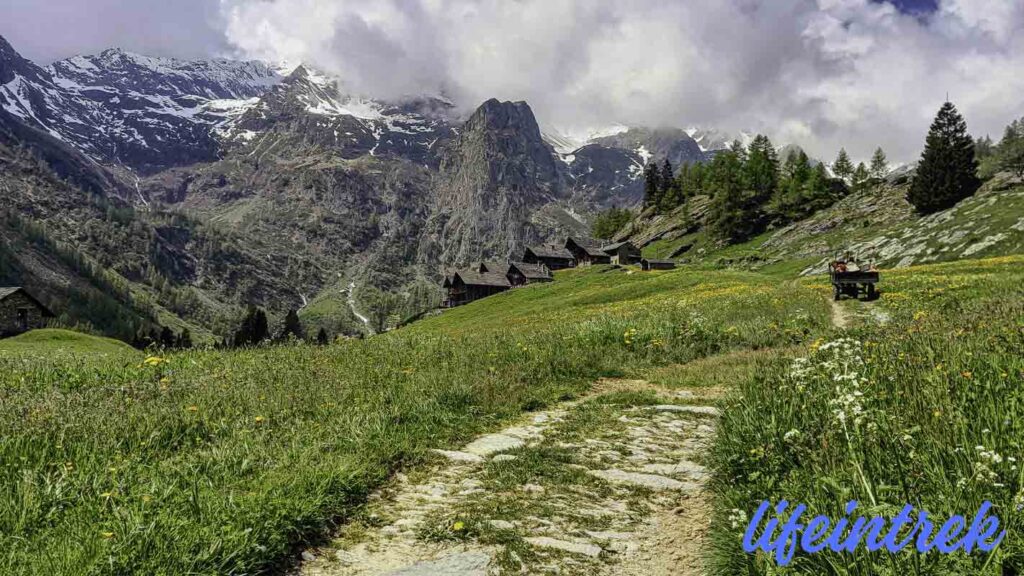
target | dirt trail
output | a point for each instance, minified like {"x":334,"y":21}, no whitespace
{"x":840,"y":316}
{"x":599,"y":486}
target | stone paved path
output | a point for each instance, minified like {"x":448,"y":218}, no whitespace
{"x":612,"y":485}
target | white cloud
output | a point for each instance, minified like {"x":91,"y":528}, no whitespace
{"x":822,"y":73}
{"x":825,"y":74}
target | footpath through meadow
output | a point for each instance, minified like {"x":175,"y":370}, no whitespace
{"x":612,"y":484}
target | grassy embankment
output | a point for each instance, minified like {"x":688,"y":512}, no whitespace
{"x":223,"y":462}
{"x":927,"y":409}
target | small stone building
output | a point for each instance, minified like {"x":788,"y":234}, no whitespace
{"x":648,"y":264}
{"x":587,"y":252}
{"x":622,"y":253}
{"x":20,"y":312}
{"x":551,"y":256}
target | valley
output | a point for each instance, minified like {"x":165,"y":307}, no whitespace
{"x":230,"y":350}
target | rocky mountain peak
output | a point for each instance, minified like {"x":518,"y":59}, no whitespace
{"x":10,"y":61}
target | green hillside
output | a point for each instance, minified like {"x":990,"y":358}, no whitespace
{"x":876,"y":225}
{"x":49,"y":341}
{"x":225,"y":461}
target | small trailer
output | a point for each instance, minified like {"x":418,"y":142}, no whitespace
{"x":852,"y":283}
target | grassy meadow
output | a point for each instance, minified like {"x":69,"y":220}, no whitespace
{"x":207,"y":462}
{"x":926,"y":409}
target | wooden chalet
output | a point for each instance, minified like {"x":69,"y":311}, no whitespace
{"x":586,"y":252}
{"x":521,"y":273}
{"x":622,"y":253}
{"x":20,"y":311}
{"x":648,"y":264}
{"x":553,"y":257}
{"x":466,"y":286}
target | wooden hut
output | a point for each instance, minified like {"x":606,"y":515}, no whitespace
{"x":551,"y":256}
{"x":469,"y":285}
{"x":521,"y":273}
{"x":586,"y":252}
{"x":20,"y":312}
{"x":622,"y":253}
{"x":648,"y":264}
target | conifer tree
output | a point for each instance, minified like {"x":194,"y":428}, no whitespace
{"x":292,"y":326}
{"x":843,"y":167}
{"x":1010,"y":153}
{"x":861,"y":177}
{"x":761,"y":169}
{"x":879,"y":165}
{"x":948,"y":170}
{"x":667,"y":199}
{"x":652,"y":186}
{"x":729,"y":213}
{"x":321,"y":337}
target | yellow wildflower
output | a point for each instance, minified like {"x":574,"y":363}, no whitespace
{"x":259,"y":419}
{"x":458,"y":526}
{"x":193,"y":408}
{"x":107,"y":535}
{"x":153,"y":361}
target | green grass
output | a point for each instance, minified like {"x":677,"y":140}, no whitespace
{"x":57,"y":341}
{"x":941,"y":379}
{"x":224,"y":462}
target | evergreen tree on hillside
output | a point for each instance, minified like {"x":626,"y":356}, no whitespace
{"x":167,"y":338}
{"x":667,"y":191}
{"x":843,"y":167}
{"x":184,"y":340}
{"x":254,"y":329}
{"x":1010,"y":153}
{"x":730,"y":217}
{"x":948,"y":170}
{"x":292,"y":327}
{"x":861,"y":177}
{"x":984,"y":148}
{"x":879,"y":165}
{"x":652,"y":185}
{"x":609,"y":222}
{"x":321,"y":337}
{"x":761,"y":169}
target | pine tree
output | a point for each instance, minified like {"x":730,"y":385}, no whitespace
{"x":667,"y":199}
{"x":761,"y":169}
{"x":167,"y":339}
{"x":652,"y":186}
{"x":729,"y":216}
{"x":879,"y":165}
{"x":292,"y":327}
{"x":843,"y":167}
{"x":1010,"y":153}
{"x":321,"y":337}
{"x":184,"y":339}
{"x":948,"y":170}
{"x":861,"y":177}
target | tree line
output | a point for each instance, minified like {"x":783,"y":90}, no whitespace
{"x":750,"y":189}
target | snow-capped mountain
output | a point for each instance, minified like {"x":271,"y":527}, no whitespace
{"x":136,"y":111}
{"x":312,"y":107}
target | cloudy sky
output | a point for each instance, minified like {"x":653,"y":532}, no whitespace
{"x":821,"y":73}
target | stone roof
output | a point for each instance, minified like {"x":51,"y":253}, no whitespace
{"x":6,"y":291}
{"x":591,"y":247}
{"x":494,"y":266}
{"x":532,"y":271}
{"x":550,"y":251}
{"x":616,"y":246}
{"x":474,"y":278}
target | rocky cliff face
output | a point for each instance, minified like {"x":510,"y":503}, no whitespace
{"x":492,"y":178}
